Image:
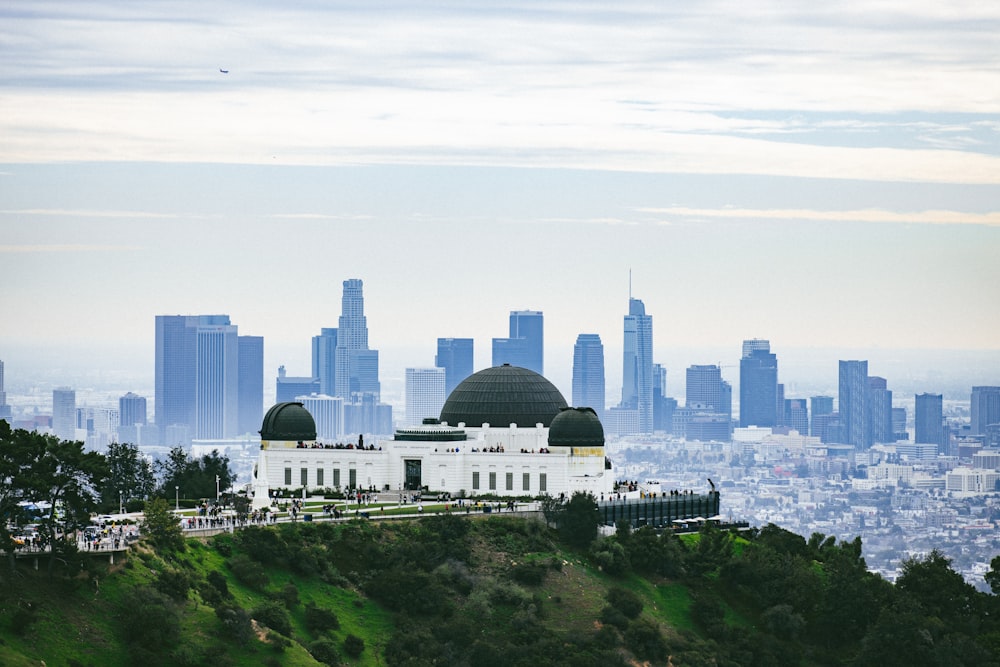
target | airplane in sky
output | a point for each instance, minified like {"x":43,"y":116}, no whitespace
{"x":224,"y":71}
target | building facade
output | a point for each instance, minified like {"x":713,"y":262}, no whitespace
{"x":985,"y":409}
{"x":456,"y":357}
{"x":425,"y":394}
{"x":853,"y":403}
{"x":524,"y":347}
{"x":64,"y":413}
{"x":588,"y":374}
{"x":928,"y":421}
{"x":759,"y":399}
{"x":637,"y":364}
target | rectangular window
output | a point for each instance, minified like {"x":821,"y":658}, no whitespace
{"x":336,"y":477}
{"x":542,"y":483}
{"x":510,"y":481}
{"x":526,"y":481}
{"x":288,"y":476}
{"x":493,"y":481}
{"x":475,"y":481}
{"x":319,"y":477}
{"x":352,"y":478}
{"x":304,"y":477}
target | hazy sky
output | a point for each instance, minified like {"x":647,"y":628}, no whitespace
{"x":820,"y":174}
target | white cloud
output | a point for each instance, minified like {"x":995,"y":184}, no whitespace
{"x":991,"y":219}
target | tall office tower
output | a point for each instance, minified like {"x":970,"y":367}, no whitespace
{"x":176,"y":373}
{"x":588,"y":374}
{"x":132,"y":410}
{"x":425,"y":394}
{"x":899,"y":424}
{"x":356,"y":365}
{"x":5,"y":411}
{"x":929,"y":421}
{"x":663,"y":406}
{"x":819,"y":406}
{"x":853,"y":402}
{"x":758,"y":385}
{"x":327,"y":412}
{"x":880,"y":410}
{"x":704,"y":388}
{"x":324,"y":360}
{"x":455,"y":356}
{"x":637,"y":366}
{"x":985,"y":409}
{"x":250,"y":384}
{"x":779,"y":405}
{"x":217,"y":374}
{"x":796,"y":415}
{"x":524,"y":346}
{"x":64,"y":413}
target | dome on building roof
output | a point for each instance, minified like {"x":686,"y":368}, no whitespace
{"x":289,"y":422}
{"x":501,"y":396}
{"x":576,"y":427}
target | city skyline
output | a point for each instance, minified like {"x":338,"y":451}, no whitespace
{"x":820,"y":182}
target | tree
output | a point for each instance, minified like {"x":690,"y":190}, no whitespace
{"x":161,"y":525}
{"x":576,"y":520}
{"x":65,"y":477}
{"x":130,"y":476}
{"x":993,"y":576}
{"x":195,"y":478}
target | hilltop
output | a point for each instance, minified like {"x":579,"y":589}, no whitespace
{"x":492,"y":590}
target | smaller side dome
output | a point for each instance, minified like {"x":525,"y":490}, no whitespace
{"x":288,"y":422}
{"x":576,"y":427}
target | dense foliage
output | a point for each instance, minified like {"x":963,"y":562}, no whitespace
{"x":501,"y":590}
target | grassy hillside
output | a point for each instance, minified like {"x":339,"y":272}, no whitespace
{"x":505,"y":591}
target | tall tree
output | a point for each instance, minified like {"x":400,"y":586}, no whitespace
{"x":130,"y":476}
{"x":195,"y":478}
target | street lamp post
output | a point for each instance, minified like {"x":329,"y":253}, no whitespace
{"x":177,"y":498}
{"x":121,"y":507}
{"x":217,"y":496}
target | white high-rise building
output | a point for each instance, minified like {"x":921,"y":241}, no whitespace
{"x":216,"y":382}
{"x":327,"y":412}
{"x":64,"y":413}
{"x":425,"y":394}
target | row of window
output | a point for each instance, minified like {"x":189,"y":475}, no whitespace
{"x":509,"y":481}
{"x":352,"y":477}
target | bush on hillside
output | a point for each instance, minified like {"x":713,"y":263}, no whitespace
{"x":354,"y":645}
{"x":319,"y":619}
{"x":274,"y":615}
{"x":625,"y":601}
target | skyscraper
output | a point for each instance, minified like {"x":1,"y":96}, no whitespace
{"x":327,"y":412}
{"x":880,"y":410}
{"x":455,"y":356}
{"x":796,"y":415}
{"x":985,"y":409}
{"x":819,"y":406}
{"x":637,"y":366}
{"x":853,"y":402}
{"x":929,"y":421}
{"x":216,"y":412}
{"x":425,"y":394}
{"x":250,"y":384}
{"x":64,"y":413}
{"x":759,"y":399}
{"x":197,"y":378}
{"x":324,"y":360}
{"x":524,"y":346}
{"x":588,"y":374}
{"x":131,"y":410}
{"x":356,"y":365}
{"x":704,"y":388}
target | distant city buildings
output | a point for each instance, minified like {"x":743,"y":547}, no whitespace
{"x":984,"y":409}
{"x":356,"y":365}
{"x":198,"y":377}
{"x":425,"y":394}
{"x":524,"y":347}
{"x":853,"y":402}
{"x":290,"y":387}
{"x":637,"y":365}
{"x":759,"y":400}
{"x":64,"y":413}
{"x":880,"y":411}
{"x":455,"y":356}
{"x":324,"y":360}
{"x":929,"y":421}
{"x":588,"y":374}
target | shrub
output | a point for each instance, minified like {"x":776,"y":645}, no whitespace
{"x":353,"y":645}
{"x":219,"y":583}
{"x":248,"y":572}
{"x":319,"y":619}
{"x":614,"y":617}
{"x":173,"y":583}
{"x":644,"y":639}
{"x":325,"y":651}
{"x":529,"y":574}
{"x":235,"y":623}
{"x":290,"y":595}
{"x":625,"y":601}
{"x":273,"y":615}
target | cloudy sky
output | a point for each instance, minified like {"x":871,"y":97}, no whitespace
{"x":819,"y":174}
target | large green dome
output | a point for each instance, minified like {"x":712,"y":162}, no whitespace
{"x":288,"y":422}
{"x":501,"y":396}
